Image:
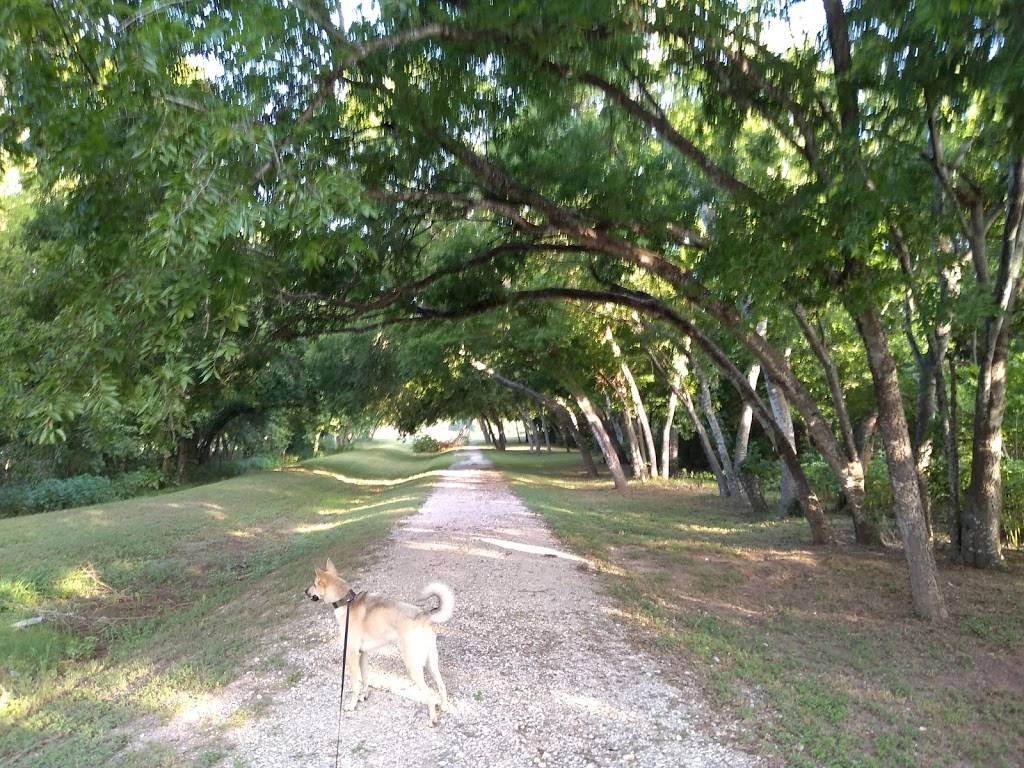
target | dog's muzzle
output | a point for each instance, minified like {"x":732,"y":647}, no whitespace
{"x":312,"y":597}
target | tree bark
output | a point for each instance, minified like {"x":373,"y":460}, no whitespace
{"x":485,"y":430}
{"x":782,"y":416}
{"x":502,"y":443}
{"x":667,"y":433}
{"x":851,"y":473}
{"x":638,"y":403}
{"x":980,"y":544}
{"x":636,"y":456}
{"x":544,"y":431}
{"x":746,"y":410}
{"x":601,"y":436}
{"x":927,"y":598}
{"x":679,"y":373}
{"x":951,"y":449}
{"x":732,"y":483}
{"x":531,"y":440}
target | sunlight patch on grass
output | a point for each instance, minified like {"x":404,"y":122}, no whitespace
{"x":246,"y":533}
{"x":365,"y":481}
{"x":151,"y":598}
{"x":387,"y":502}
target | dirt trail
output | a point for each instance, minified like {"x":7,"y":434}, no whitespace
{"x":539,"y":671}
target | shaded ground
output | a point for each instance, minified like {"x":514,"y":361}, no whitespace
{"x":815,"y":648}
{"x":540,"y":670}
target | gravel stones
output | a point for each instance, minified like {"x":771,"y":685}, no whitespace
{"x":539,"y":671}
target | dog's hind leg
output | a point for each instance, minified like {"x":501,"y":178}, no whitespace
{"x":414,"y":654}
{"x":435,"y":673}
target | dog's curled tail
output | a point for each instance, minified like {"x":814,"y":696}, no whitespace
{"x":446,"y":599}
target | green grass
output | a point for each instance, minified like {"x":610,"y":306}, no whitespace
{"x":150,"y":600}
{"x":814,"y":648}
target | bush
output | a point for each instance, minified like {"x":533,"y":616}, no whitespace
{"x":76,"y":491}
{"x":13,"y":500}
{"x":425,"y":444}
{"x":137,"y":483}
{"x":1013,"y":502}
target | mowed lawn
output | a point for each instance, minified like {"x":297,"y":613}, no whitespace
{"x":814,"y":649}
{"x":151,"y":601}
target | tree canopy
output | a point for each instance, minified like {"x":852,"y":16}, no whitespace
{"x":265,"y":203}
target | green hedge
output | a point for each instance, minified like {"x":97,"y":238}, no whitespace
{"x":78,"y":491}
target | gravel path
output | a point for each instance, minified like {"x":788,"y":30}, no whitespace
{"x":539,"y":671}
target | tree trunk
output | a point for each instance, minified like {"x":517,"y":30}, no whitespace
{"x":808,"y":500}
{"x":927,"y":597}
{"x":485,"y":428}
{"x":638,"y":404}
{"x":614,"y":429}
{"x":636,"y":456}
{"x":533,"y":434}
{"x":531,"y":439}
{"x":923,"y":418}
{"x":645,"y":424}
{"x":842,"y":457}
{"x":783,"y":417}
{"x":980,"y":546}
{"x":502,"y":443}
{"x":667,"y":433}
{"x":186,"y":456}
{"x":732,"y":484}
{"x":755,"y":494}
{"x":601,"y":436}
{"x":747,"y":411}
{"x":678,"y":374}
{"x":544,"y":431}
{"x":951,"y":449}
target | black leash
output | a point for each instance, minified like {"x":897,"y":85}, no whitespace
{"x":347,"y":602}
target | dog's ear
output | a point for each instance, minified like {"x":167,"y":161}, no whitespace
{"x":331,"y":568}
{"x":319,"y":573}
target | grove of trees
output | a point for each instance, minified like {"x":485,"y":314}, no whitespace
{"x":610,"y":220}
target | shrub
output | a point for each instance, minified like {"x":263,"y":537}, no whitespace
{"x":13,"y":500}
{"x":137,"y":483}
{"x":76,"y":491}
{"x":425,"y":444}
{"x":1013,"y":502}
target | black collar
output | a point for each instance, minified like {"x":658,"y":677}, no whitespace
{"x":345,"y":600}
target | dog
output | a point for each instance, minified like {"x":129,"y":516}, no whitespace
{"x":375,"y":621}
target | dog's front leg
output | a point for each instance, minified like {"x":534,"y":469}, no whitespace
{"x":364,"y":674}
{"x":355,"y":678}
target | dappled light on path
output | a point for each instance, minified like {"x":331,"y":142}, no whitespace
{"x":536,"y":658}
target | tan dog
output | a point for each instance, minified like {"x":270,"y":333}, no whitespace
{"x":375,"y":621}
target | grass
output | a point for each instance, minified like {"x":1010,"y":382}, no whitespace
{"x":814,"y":648}
{"x":153,"y":601}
